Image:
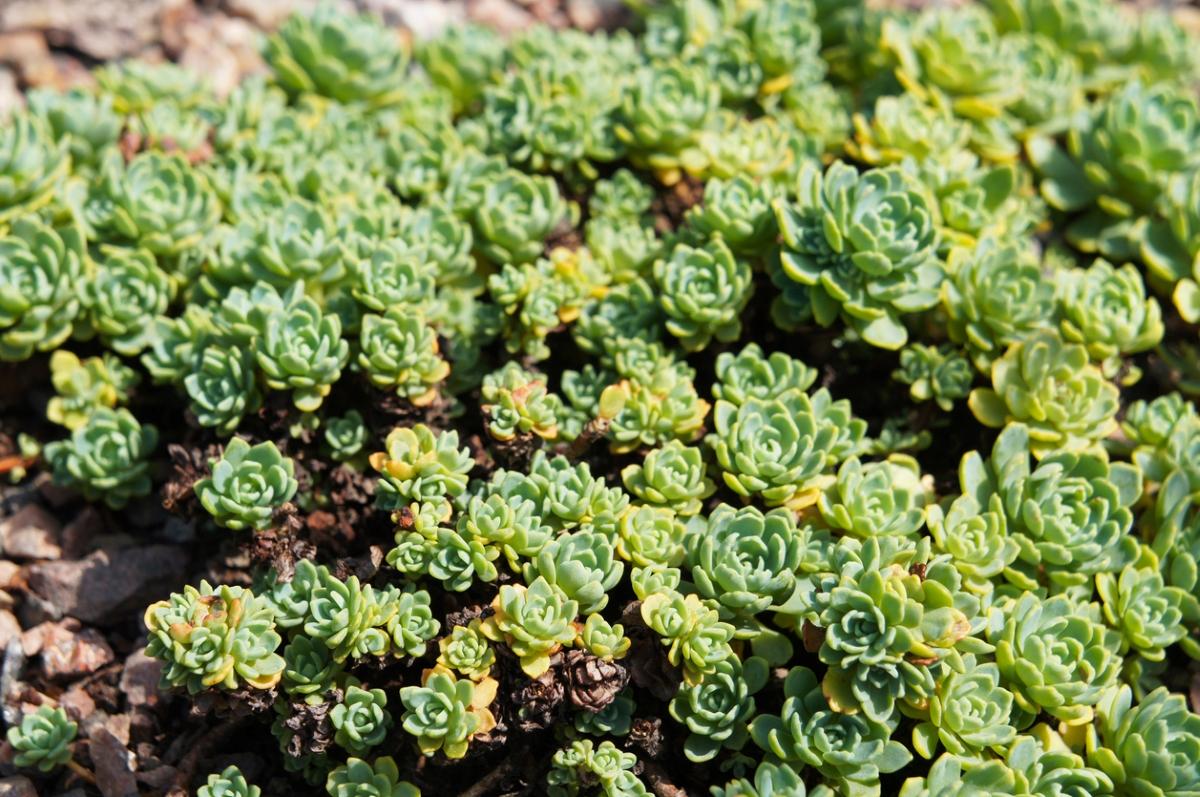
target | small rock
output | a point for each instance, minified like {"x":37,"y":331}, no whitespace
{"x":17,"y":786}
{"x":270,"y":13}
{"x":224,"y":49}
{"x":503,"y":15}
{"x":10,"y":575}
{"x":9,"y":628}
{"x":106,"y":586}
{"x":114,"y":764}
{"x":77,"y":703}
{"x":76,"y":537}
{"x":32,"y":533}
{"x":67,"y":653}
{"x":34,"y":611}
{"x":427,"y":18}
{"x":103,"y":29}
{"x":6,"y":600}
{"x":33,"y":639}
{"x":139,"y":680}
{"x":26,"y":51}
{"x":56,"y":495}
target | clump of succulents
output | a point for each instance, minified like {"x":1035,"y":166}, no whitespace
{"x":518,"y":403}
{"x":443,"y":713}
{"x":108,"y":457}
{"x":228,"y":783}
{"x":420,"y":466}
{"x":248,"y":483}
{"x":1049,"y":385}
{"x":214,"y":637}
{"x":43,"y":738}
{"x":40,"y":272}
{"x":849,"y":749}
{"x":865,"y":245}
{"x":532,"y":263}
{"x":399,"y":352}
{"x":348,"y":58}
{"x":940,"y":373}
{"x":86,"y":385}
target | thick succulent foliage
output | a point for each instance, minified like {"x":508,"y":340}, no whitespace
{"x":86,"y":385}
{"x":996,"y":296}
{"x":40,"y":271}
{"x":942,"y":374}
{"x":850,"y":750}
{"x":747,"y":561}
{"x":865,"y":245}
{"x":248,"y":483}
{"x":157,"y":202}
{"x":1149,"y":748}
{"x":1049,"y":386}
{"x":672,"y":476}
{"x":1118,"y":161}
{"x":778,"y":449}
{"x":750,"y":374}
{"x":121,"y":298}
{"x":1069,"y":513}
{"x":703,"y":293}
{"x":214,"y":637}
{"x":1107,"y":311}
{"x":301,"y":348}
{"x":31,"y":162}
{"x":876,"y":499}
{"x":515,"y":373}
{"x":42,"y":739}
{"x":107,"y":458}
{"x":420,"y":466}
{"x":888,"y":630}
{"x":348,"y":58}
{"x":399,"y":352}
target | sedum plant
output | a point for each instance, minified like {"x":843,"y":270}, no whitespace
{"x":43,"y":739}
{"x":229,"y":783}
{"x":717,"y":709}
{"x":31,"y":163}
{"x":865,"y":245}
{"x":518,"y":403}
{"x":750,"y":374}
{"x":581,"y":565}
{"x":1106,"y":310}
{"x":1148,"y":614}
{"x":420,"y":466}
{"x":248,"y":483}
{"x":106,"y":458}
{"x":40,"y":272}
{"x":309,"y":672}
{"x":703,"y":292}
{"x":970,"y":714}
{"x":357,"y":778}
{"x":214,"y":638}
{"x":1048,"y":385}
{"x":941,"y":374}
{"x":535,"y":621}
{"x":997,"y":296}
{"x":121,"y":299}
{"x":361,"y":719}
{"x":301,"y":348}
{"x":444,"y":713}
{"x":777,"y":449}
{"x":348,"y":58}
{"x":876,"y":499}
{"x":850,"y":750}
{"x":671,"y":476}
{"x":695,"y":637}
{"x":399,"y":352}
{"x":86,"y":385}
{"x":467,"y":651}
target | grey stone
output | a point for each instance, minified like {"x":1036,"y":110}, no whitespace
{"x":105,"y":586}
{"x":139,"y":680}
{"x":114,"y":764}
{"x":32,"y":533}
{"x":100,"y":28}
{"x":9,"y":628}
{"x":17,"y":786}
{"x":70,"y":653}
